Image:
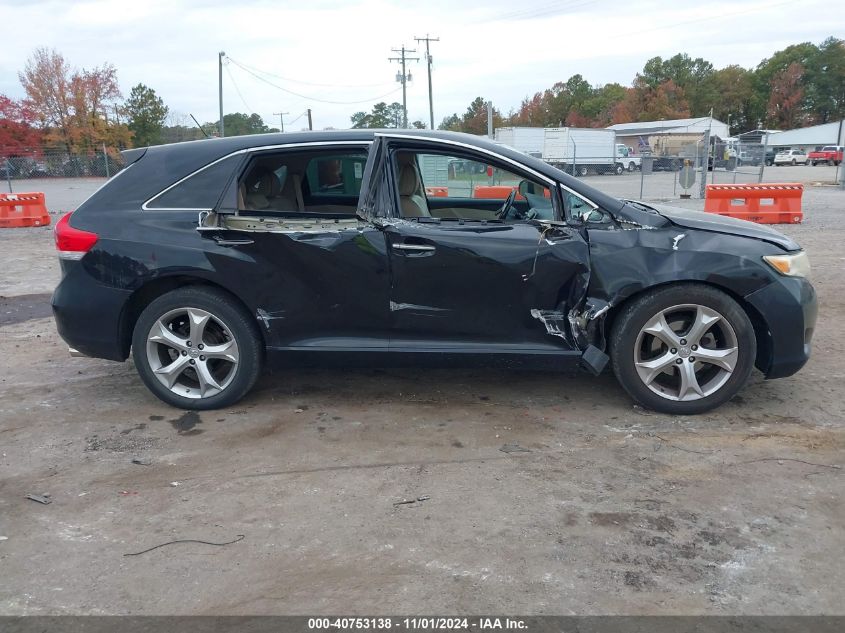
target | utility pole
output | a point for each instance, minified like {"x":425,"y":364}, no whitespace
{"x":310,"y":125}
{"x":404,"y":78}
{"x":220,"y":57}
{"x":281,"y":116}
{"x":429,"y":61}
{"x":490,"y":119}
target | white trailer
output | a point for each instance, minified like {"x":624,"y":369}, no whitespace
{"x":581,"y":150}
{"x":528,"y":140}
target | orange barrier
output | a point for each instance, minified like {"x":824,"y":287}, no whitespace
{"x":498,"y":192}
{"x":437,"y":192}
{"x":22,"y":209}
{"x":766,"y":203}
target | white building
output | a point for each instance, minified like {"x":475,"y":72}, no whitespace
{"x":809,"y":138}
{"x":637,"y":134}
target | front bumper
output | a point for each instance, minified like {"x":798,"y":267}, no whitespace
{"x":789,"y":308}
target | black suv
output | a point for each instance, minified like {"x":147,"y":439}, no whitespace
{"x":207,"y":259}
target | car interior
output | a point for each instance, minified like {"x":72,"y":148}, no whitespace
{"x":303,"y":183}
{"x":459,"y":188}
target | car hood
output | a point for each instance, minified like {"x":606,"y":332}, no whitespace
{"x":722,"y":224}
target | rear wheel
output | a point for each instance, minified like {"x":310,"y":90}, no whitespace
{"x":793,"y":162}
{"x":195,"y":348}
{"x":582,"y":170}
{"x":619,"y":169}
{"x":683,"y":349}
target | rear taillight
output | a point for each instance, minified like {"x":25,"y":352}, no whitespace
{"x":70,"y":242}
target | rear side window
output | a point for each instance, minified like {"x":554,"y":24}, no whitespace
{"x":336,"y":175}
{"x":200,"y":191}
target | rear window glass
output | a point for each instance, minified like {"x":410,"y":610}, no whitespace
{"x":200,"y":191}
{"x":336,"y":175}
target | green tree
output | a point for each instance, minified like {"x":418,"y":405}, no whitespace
{"x":691,"y":76}
{"x":825,"y":87}
{"x":240,"y":124}
{"x":147,"y":113}
{"x":381,"y":116}
{"x":735,"y":87}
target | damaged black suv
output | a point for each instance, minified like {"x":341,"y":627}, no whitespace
{"x":208,"y":259}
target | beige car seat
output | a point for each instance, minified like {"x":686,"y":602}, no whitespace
{"x":412,"y":201}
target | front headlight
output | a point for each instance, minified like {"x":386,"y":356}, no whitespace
{"x":792,"y":265}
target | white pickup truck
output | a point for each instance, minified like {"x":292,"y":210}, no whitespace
{"x":625,"y":157}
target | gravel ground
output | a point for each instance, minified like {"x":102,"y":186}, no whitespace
{"x":542,"y":493}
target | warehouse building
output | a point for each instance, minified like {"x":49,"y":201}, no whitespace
{"x":809,"y":138}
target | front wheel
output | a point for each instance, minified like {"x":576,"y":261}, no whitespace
{"x":195,"y":348}
{"x":683,"y":349}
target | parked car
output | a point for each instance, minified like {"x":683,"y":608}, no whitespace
{"x":205,"y":260}
{"x":791,"y":157}
{"x":830,"y":155}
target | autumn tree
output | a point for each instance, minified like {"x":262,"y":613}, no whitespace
{"x":147,"y":114}
{"x":786,"y":97}
{"x":18,"y":134}
{"x":72,"y":105}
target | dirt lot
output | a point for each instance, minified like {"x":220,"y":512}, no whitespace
{"x":543,"y":493}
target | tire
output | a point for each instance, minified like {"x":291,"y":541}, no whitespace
{"x":618,"y":169}
{"x":230,"y":354}
{"x":831,"y":162}
{"x":633,"y":346}
{"x":582,"y":170}
{"x":631,"y":167}
{"x":793,"y":162}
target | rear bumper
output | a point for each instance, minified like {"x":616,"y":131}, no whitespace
{"x":790,"y":308}
{"x":88,"y":314}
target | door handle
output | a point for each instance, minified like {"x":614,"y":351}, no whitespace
{"x":413,"y":247}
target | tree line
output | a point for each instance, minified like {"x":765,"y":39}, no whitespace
{"x":79,"y":111}
{"x":801,"y":85}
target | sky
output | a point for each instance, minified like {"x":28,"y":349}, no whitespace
{"x":312,"y":52}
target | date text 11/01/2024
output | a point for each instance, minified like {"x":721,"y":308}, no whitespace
{"x":421,"y":623}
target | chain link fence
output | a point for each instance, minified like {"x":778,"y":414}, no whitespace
{"x":15,"y":166}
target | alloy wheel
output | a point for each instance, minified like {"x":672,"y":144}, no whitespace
{"x":192,"y":352}
{"x":686,"y":352}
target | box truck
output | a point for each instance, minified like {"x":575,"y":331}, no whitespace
{"x":581,"y":151}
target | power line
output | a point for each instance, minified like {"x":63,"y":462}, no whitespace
{"x":237,"y":90}
{"x":712,"y":17}
{"x":308,"y":98}
{"x":308,"y":83}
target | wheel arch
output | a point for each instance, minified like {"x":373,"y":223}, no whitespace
{"x":761,"y":328}
{"x":154,"y":289}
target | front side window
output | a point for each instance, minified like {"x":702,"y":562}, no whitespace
{"x":463,"y":187}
